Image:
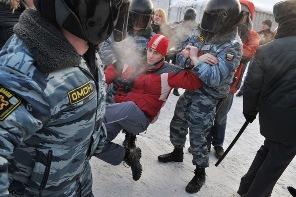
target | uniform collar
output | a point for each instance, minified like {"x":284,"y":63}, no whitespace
{"x":48,"y":46}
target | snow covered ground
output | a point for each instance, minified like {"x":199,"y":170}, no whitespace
{"x":169,"y":180}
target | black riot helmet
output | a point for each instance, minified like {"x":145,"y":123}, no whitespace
{"x":91,"y":20}
{"x":190,"y":15}
{"x":221,"y":16}
{"x":140,"y":13}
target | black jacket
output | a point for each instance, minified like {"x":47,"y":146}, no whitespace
{"x":270,"y":89}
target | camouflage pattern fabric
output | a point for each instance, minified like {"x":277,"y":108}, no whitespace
{"x":50,"y":126}
{"x":196,"y":110}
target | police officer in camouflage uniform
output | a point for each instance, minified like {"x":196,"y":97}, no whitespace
{"x":52,"y":100}
{"x":135,"y":44}
{"x":133,"y":48}
{"x":215,"y":55}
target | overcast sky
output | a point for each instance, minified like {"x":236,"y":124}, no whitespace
{"x":266,"y":5}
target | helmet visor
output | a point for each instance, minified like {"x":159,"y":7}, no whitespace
{"x":210,"y":22}
{"x":139,"y":21}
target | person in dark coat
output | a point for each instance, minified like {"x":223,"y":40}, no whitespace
{"x":270,"y":91}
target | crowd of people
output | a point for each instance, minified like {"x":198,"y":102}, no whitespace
{"x":74,"y":74}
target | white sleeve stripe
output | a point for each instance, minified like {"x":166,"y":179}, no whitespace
{"x":165,"y":87}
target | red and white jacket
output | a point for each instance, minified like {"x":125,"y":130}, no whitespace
{"x":151,"y":87}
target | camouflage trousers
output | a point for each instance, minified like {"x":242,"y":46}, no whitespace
{"x":194,"y":111}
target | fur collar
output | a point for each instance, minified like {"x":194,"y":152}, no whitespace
{"x":48,"y":46}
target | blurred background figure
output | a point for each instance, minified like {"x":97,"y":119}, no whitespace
{"x":159,"y":23}
{"x":266,"y":35}
{"x":10,"y":10}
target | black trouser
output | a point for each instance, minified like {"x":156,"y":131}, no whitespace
{"x":269,"y":164}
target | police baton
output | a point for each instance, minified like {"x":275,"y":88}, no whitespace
{"x":233,"y":142}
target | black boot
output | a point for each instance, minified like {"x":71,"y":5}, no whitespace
{"x":132,"y":158}
{"x":129,"y":140}
{"x":175,"y":156}
{"x":133,"y":155}
{"x":197,"y":181}
{"x":219,"y":151}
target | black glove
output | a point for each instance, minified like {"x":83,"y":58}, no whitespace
{"x":188,"y":63}
{"x":249,"y":118}
{"x":123,"y":84}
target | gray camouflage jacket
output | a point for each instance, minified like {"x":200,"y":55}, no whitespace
{"x":216,"y":78}
{"x":50,"y":114}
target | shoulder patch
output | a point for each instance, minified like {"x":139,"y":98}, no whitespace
{"x":8,"y":103}
{"x":80,"y":93}
{"x":229,"y":56}
{"x":201,"y":38}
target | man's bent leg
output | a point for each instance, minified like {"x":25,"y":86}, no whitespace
{"x":112,"y":153}
{"x":248,"y":178}
{"x":278,"y":158}
{"x":125,"y":116}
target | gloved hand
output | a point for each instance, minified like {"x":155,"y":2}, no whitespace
{"x":249,"y":118}
{"x":188,"y":63}
{"x":123,"y":84}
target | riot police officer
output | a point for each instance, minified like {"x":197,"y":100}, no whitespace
{"x":214,"y":55}
{"x":52,"y":100}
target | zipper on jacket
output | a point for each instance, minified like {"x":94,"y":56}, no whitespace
{"x":97,"y":89}
{"x":46,"y":172}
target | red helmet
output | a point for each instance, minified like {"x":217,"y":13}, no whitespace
{"x":159,"y":43}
